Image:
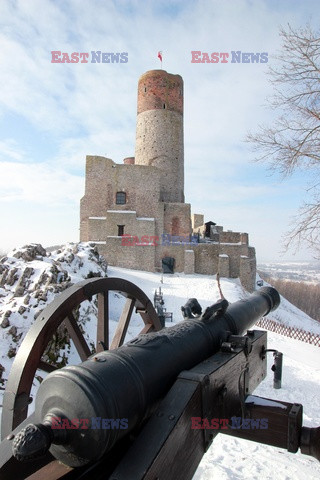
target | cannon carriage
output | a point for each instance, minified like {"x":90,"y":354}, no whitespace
{"x":149,"y":408}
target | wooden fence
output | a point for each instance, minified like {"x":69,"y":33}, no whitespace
{"x":291,"y":332}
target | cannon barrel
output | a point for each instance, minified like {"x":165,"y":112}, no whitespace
{"x":113,"y":392}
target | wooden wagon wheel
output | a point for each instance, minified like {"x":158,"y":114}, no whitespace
{"x":29,"y":357}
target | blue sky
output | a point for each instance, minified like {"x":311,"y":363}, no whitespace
{"x":53,"y":115}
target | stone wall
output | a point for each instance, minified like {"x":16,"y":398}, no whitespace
{"x":134,"y":257}
{"x":224,"y":265}
{"x":104,"y":179}
{"x":232,"y":261}
{"x":159,"y":143}
{"x":102,"y":227}
{"x":177,"y":219}
{"x":159,"y":132}
{"x":197,"y":221}
{"x":158,"y":89}
{"x":248,"y":269}
{"x":189,"y":262}
{"x":229,"y":237}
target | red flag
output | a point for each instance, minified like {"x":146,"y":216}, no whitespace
{"x":160,"y":56}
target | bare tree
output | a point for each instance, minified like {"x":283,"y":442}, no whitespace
{"x":292,"y":143}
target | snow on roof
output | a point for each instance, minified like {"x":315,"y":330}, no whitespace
{"x":121,"y":211}
{"x":264,"y":401}
{"x":230,"y":243}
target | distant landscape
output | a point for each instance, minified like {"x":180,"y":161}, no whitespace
{"x":298,"y":282}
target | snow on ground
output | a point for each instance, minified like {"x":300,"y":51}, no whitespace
{"x":227,"y":458}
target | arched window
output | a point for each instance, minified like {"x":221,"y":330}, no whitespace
{"x":120,"y":198}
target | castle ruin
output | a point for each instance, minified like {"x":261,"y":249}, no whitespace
{"x":135,"y":212}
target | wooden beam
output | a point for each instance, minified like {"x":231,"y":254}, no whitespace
{"x":77,"y":337}
{"x":283,"y":419}
{"x":103,"y":322}
{"x":123,"y":324}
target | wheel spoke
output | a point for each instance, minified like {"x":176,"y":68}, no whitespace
{"x":103,"y":322}
{"x":77,"y":337}
{"x":123,"y":323}
{"x":147,"y":328}
{"x":46,"y":367}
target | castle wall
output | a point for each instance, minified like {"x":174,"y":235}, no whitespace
{"x":104,"y":179}
{"x":232,"y":261}
{"x":248,"y":269}
{"x":197,"y":221}
{"x":158,"y":87}
{"x":177,"y":219}
{"x":234,"y":237}
{"x":159,"y":142}
{"x":159,"y":132}
{"x":100,"y":228}
{"x":133,"y":257}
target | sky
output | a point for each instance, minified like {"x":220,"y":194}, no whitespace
{"x":54,"y":114}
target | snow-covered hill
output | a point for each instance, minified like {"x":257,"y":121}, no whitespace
{"x":295,"y":271}
{"x":31,"y":278}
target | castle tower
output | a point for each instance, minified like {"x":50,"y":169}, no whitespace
{"x":159,"y":134}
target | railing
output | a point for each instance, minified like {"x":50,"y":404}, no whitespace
{"x":292,"y":332}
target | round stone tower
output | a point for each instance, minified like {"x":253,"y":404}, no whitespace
{"x":159,"y":135}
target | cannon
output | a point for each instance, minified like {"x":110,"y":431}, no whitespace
{"x":118,"y":414}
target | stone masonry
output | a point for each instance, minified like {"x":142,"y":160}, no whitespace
{"x":135,"y":211}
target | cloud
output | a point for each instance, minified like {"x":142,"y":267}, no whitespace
{"x":10,"y":150}
{"x":38,"y":184}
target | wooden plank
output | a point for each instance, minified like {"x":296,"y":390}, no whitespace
{"x":103,"y":322}
{"x":167,"y":447}
{"x":147,"y":328}
{"x":280,"y":432}
{"x":123,"y":324}
{"x":46,"y":367}
{"x":77,"y":337}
